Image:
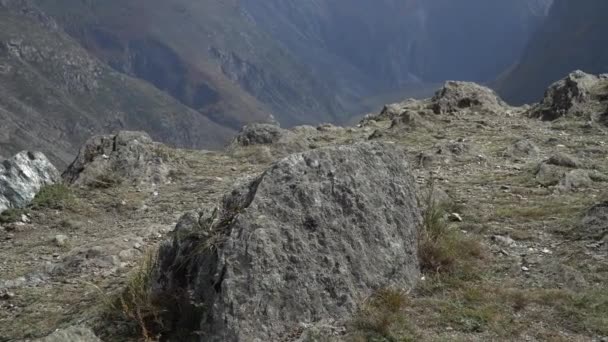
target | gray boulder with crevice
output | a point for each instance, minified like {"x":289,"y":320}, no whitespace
{"x":125,"y":156}
{"x":22,"y":176}
{"x":305,"y":242}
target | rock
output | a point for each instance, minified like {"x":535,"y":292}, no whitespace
{"x":575,"y":179}
{"x":574,"y":95}
{"x":376,"y":135}
{"x":408,"y":120}
{"x":106,"y":160}
{"x":60,"y":240}
{"x":455,"y":217}
{"x":259,"y":134}
{"x":459,"y":96}
{"x":71,"y":334}
{"x":504,"y":240}
{"x":563,"y":159}
{"x":548,"y":175}
{"x":594,"y":224}
{"x":304,"y":242}
{"x":523,"y":148}
{"x":22,"y":176}
{"x":127,"y":255}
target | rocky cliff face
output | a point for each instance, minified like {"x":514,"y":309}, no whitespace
{"x":53,"y":94}
{"x":573,"y":37}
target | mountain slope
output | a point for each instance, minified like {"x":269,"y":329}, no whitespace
{"x":387,"y":43}
{"x":205,"y":53}
{"x":53,"y":94}
{"x":573,"y":37}
{"x":304,"y":61}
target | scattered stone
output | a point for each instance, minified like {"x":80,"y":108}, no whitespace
{"x":595,"y":222}
{"x":575,"y":179}
{"x":71,"y":334}
{"x":525,"y":269}
{"x":563,"y":159}
{"x":6,"y":295}
{"x":523,"y":148}
{"x":455,"y":217}
{"x":60,"y":240}
{"x":22,"y":176}
{"x":127,"y":255}
{"x":305,"y":241}
{"x":504,"y":240}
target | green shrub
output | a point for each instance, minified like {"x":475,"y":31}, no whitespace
{"x":11,"y":215}
{"x":56,"y":196}
{"x":136,"y":303}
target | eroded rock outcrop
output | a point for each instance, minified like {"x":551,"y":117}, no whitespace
{"x":125,"y":156}
{"x":458,"y":96}
{"x":304,"y":242}
{"x":577,"y":95}
{"x":22,"y":176}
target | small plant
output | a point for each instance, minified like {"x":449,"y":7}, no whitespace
{"x":382,"y":317}
{"x":136,"y":302}
{"x":105,"y":181}
{"x":441,"y":249}
{"x":56,"y":196}
{"x":11,"y":215}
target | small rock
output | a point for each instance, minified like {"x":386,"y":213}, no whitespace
{"x":6,"y":295}
{"x":233,"y":168}
{"x":25,"y":218}
{"x":503,"y":240}
{"x":127,"y":254}
{"x":60,"y":240}
{"x":525,"y":269}
{"x":455,"y":217}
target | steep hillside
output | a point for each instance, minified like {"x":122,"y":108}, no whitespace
{"x":53,"y":94}
{"x":204,"y":53}
{"x":573,"y":37}
{"x":305,"y":61}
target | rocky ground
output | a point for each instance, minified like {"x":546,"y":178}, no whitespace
{"x":526,"y":197}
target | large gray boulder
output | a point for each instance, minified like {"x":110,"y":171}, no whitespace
{"x":125,"y":156}
{"x":71,"y":334}
{"x":303,"y":243}
{"x":577,"y":95}
{"x":22,"y":176}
